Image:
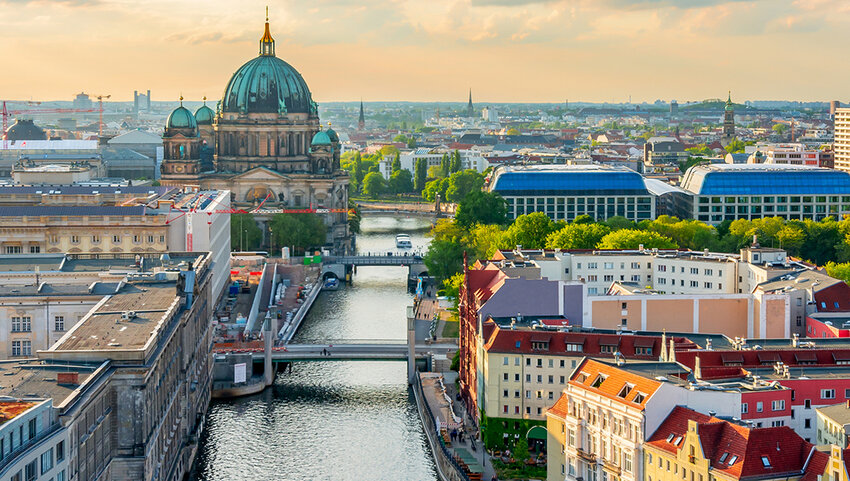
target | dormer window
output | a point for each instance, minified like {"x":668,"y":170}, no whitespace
{"x":670,"y":438}
{"x":765,"y":462}
{"x":598,"y":381}
{"x":639,"y":397}
{"x":732,"y":460}
{"x":677,"y":440}
{"x":540,"y":345}
{"x":624,"y":393}
{"x":582,"y":377}
{"x":723,"y":457}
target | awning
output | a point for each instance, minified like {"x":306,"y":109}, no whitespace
{"x":806,"y":357}
{"x":644,"y":341}
{"x":769,"y":357}
{"x":536,"y":432}
{"x":609,"y":342}
{"x":841,"y":355}
{"x":732,"y":358}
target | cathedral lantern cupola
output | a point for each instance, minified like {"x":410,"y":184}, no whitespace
{"x":267,"y":42}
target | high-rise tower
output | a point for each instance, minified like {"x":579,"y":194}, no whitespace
{"x":361,"y":121}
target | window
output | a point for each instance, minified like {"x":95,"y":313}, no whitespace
{"x":31,"y":428}
{"x":59,"y":323}
{"x":694,"y":270}
{"x":116,"y":239}
{"x":639,"y":397}
{"x":505,"y":408}
{"x":47,"y":461}
{"x":807,"y":423}
{"x":13,"y":249}
{"x":551,"y":379}
{"x":95,"y":239}
{"x":516,"y":377}
{"x":645,"y":351}
{"x":627,"y":462}
{"x":505,"y":361}
{"x":574,"y":347}
{"x":776,"y":424}
{"x":150,"y":239}
{"x":31,"y":470}
{"x":723,"y":457}
{"x":624,"y":392}
{"x":598,"y":381}
{"x":778,"y":405}
{"x":516,"y":393}
{"x":528,"y":378}
{"x":744,"y":408}
{"x":504,"y":393}
{"x":528,"y":394}
{"x":561,"y":380}
{"x":75,"y":239}
{"x":562,"y":363}
{"x":504,"y":376}
{"x":60,"y":476}
{"x":732,"y":460}
{"x":35,"y":249}
{"x":21,"y":324}
{"x":591,"y":265}
{"x":21,"y":348}
{"x":807,"y":404}
{"x":759,"y":407}
{"x":609,"y":265}
{"x":827,"y":393}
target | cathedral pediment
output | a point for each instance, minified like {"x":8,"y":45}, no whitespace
{"x":260,"y":174}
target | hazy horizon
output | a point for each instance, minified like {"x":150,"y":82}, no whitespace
{"x":519,"y":51}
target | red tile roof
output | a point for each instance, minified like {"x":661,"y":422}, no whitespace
{"x":735,"y":450}
{"x":519,"y":341}
{"x":749,"y":359}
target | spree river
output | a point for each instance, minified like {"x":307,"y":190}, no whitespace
{"x":332,"y":420}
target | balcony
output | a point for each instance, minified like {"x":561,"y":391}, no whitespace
{"x":586,"y":455}
{"x":610,"y":466}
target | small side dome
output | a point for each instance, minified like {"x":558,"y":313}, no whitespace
{"x":181,"y":118}
{"x":332,"y":134}
{"x":321,"y":138}
{"x":204,"y":115}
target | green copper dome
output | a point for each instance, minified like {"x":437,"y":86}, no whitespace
{"x":267,"y":84}
{"x":321,"y":138}
{"x":204,"y":115}
{"x":332,"y":134}
{"x":181,"y":118}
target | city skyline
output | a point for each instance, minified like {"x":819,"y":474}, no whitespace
{"x":379,"y":50}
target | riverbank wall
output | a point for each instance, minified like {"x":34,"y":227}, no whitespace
{"x":447,"y":467}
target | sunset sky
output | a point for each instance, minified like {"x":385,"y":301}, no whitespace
{"x":434,"y":50}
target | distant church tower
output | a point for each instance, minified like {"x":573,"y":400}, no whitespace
{"x":470,"y":110}
{"x":361,"y":122}
{"x":728,"y":122}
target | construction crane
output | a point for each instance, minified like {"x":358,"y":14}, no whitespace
{"x":100,"y":109}
{"x":6,"y":114}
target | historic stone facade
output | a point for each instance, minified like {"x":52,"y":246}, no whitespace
{"x":269,"y":146}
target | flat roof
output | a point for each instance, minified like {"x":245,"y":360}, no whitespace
{"x":103,"y":329}
{"x":39,"y":379}
{"x":11,"y":409}
{"x":840,"y":413}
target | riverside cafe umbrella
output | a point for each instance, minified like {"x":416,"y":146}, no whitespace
{"x":472,"y":466}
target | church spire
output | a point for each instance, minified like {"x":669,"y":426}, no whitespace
{"x":470,"y":110}
{"x":267,"y":42}
{"x":361,"y":121}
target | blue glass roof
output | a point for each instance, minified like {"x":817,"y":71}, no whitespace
{"x":578,"y":182}
{"x":770,"y":182}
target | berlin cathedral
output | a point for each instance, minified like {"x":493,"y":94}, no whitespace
{"x":266,"y":143}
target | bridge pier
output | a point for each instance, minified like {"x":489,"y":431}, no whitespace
{"x":411,"y":344}
{"x":268,"y":340}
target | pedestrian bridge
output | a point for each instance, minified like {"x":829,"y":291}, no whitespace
{"x":377,"y":259}
{"x":352,"y":350}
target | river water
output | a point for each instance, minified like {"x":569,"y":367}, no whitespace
{"x":332,"y":420}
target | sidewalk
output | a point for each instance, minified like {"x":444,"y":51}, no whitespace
{"x":471,"y":432}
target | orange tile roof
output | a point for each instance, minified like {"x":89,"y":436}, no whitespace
{"x":615,"y":380}
{"x":560,"y":407}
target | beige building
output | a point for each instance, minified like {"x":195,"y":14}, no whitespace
{"x":834,"y":424}
{"x":842,"y":139}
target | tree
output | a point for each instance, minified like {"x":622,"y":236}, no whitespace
{"x":445,"y":166}
{"x":301,"y":231}
{"x":435,"y":172}
{"x":462,"y":183}
{"x":374,"y":184}
{"x":735,"y":147}
{"x":396,"y":163}
{"x":434,"y":187}
{"x":618,"y":222}
{"x":455,"y":162}
{"x":633,"y":239}
{"x":512,"y":131}
{"x":577,"y":236}
{"x":481,"y":208}
{"x":531,"y":230}
{"x":839,"y":271}
{"x":245,"y":234}
{"x":444,"y":258}
{"x":583,"y":219}
{"x":420,"y":175}
{"x":521,"y":449}
{"x":401,"y":181}
{"x":400,"y":138}
{"x":780,"y":128}
{"x":358,"y":169}
{"x":354,"y":217}
{"x":484,"y":240}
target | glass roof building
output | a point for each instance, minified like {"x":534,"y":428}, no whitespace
{"x":564,"y":192}
{"x":721,"y":192}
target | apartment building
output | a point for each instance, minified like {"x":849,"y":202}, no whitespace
{"x":524,"y":369}
{"x":130,"y":382}
{"x":469,"y":159}
{"x":842,"y":139}
{"x":692,"y":445}
{"x":834,"y":424}
{"x":608,"y":410}
{"x":33,"y":444}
